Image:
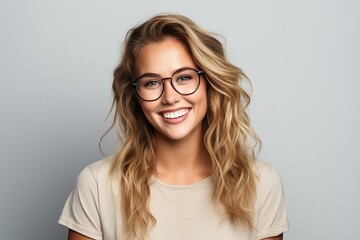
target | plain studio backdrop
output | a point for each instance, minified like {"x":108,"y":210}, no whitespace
{"x":57,"y":59}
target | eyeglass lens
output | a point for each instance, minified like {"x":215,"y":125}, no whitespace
{"x":185,"y":82}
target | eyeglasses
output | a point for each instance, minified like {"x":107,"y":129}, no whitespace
{"x":185,"y":81}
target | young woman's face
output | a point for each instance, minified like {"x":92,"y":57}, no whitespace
{"x":174,"y":116}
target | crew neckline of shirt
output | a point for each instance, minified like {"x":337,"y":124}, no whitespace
{"x":180,"y":187}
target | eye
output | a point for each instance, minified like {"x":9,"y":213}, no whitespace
{"x":184,"y":78}
{"x":150,"y":83}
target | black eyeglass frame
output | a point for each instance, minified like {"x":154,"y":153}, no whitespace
{"x":199,"y":73}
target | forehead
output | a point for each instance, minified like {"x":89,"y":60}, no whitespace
{"x":163,"y":57}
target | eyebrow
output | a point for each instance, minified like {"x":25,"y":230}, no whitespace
{"x":148,"y":74}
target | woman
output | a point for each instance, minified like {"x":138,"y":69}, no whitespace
{"x":186,"y":167}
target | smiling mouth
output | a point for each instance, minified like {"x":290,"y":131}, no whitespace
{"x":176,"y":114}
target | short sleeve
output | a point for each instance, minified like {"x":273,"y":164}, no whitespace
{"x":272,"y":213}
{"x":81,"y":210}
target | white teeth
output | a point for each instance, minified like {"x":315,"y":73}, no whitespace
{"x":176,"y":114}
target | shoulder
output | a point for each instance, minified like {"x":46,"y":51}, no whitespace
{"x":85,"y":205}
{"x":101,"y":167}
{"x":269,"y":184}
{"x":95,"y":173}
{"x":270,"y":208}
{"x":265,"y":172}
{"x":262,"y":167}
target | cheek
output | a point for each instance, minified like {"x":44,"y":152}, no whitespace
{"x":148,"y":108}
{"x":201,"y":99}
{"x":204,"y":106}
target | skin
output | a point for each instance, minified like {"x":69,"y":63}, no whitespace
{"x":76,"y":236}
{"x":181,"y":158}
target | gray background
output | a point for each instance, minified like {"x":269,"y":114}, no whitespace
{"x":57,"y":59}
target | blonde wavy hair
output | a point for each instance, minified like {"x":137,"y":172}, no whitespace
{"x":228,"y":136}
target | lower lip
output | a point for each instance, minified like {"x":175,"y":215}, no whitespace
{"x":176,"y":120}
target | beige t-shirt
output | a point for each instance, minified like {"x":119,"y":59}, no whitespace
{"x":182,"y":212}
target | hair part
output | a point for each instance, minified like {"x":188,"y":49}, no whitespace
{"x":228,"y":136}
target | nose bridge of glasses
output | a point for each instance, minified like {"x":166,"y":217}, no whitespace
{"x":166,"y":78}
{"x":170,"y":84}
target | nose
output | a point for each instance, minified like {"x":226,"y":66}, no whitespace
{"x":170,"y":96}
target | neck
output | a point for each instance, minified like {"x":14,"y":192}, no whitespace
{"x":182,"y":162}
